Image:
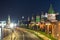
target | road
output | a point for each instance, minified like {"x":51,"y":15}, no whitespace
{"x":21,"y":34}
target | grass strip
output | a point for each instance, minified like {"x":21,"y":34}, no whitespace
{"x":47,"y":35}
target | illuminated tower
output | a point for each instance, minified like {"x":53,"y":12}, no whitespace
{"x":18,"y":22}
{"x":51,"y":14}
{"x":38,"y":19}
{"x":46,"y":15}
{"x":32,"y":19}
{"x":29,"y":19}
{"x":52,"y":18}
{"x":42,"y":17}
{"x":9,"y":20}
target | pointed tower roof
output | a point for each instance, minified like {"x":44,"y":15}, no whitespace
{"x":51,"y":11}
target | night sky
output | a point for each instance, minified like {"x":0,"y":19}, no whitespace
{"x":18,"y":8}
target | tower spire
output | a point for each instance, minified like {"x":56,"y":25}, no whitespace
{"x":51,"y":11}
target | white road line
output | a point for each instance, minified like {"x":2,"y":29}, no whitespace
{"x":23,"y":37}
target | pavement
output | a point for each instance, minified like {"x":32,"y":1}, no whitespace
{"x":21,"y":34}
{"x":40,"y":35}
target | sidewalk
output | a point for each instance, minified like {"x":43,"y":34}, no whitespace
{"x":39,"y":34}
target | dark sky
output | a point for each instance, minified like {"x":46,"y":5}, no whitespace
{"x":18,"y":8}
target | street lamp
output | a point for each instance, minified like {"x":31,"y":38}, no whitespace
{"x":11,"y":25}
{"x":1,"y":35}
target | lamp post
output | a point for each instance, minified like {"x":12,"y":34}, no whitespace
{"x":1,"y":33}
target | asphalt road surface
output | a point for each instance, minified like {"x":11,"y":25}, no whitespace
{"x":21,"y":34}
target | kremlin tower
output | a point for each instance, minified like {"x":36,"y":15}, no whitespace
{"x":9,"y":20}
{"x":42,"y":17}
{"x":51,"y":14}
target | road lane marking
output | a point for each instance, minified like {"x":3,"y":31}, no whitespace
{"x":23,"y":37}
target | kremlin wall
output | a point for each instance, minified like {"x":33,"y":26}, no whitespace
{"x":47,"y":23}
